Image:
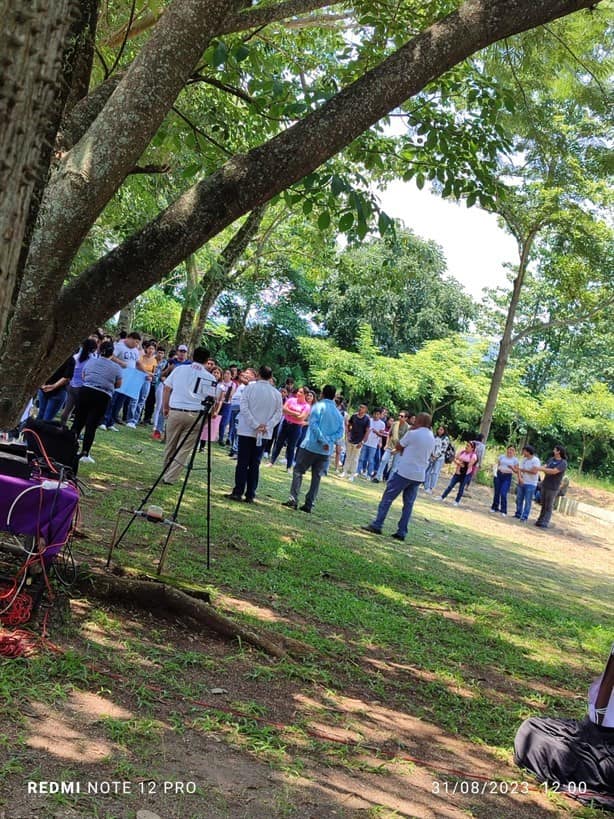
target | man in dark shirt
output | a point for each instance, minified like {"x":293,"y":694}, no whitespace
{"x":357,"y":432}
{"x":553,"y":470}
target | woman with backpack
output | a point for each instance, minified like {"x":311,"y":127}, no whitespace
{"x":465,"y":461}
{"x":437,"y":459}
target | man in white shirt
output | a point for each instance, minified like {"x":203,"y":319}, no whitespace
{"x":261,"y":409}
{"x":415,"y":447}
{"x":184,"y":390}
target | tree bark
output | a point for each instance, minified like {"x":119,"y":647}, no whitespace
{"x":125,"y":319}
{"x":188,"y":311}
{"x":43,"y":332}
{"x":505,"y":345}
{"x":35,"y":64}
{"x":215,"y":281}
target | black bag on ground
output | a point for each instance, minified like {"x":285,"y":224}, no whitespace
{"x":51,"y":440}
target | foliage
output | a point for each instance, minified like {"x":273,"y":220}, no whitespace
{"x":397,"y":285}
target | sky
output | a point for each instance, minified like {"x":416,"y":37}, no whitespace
{"x":474,"y":245}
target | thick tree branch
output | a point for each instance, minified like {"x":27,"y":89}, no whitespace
{"x":254,"y":178}
{"x":541,"y":326}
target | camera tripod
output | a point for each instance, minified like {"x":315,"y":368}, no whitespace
{"x":204,"y":416}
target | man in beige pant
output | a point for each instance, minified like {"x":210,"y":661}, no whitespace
{"x":184,"y":390}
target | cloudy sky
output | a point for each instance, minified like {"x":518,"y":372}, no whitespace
{"x":474,"y":245}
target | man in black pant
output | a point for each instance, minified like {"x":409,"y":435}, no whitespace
{"x":260,"y":411}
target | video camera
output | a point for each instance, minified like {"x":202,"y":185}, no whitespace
{"x":205,"y":388}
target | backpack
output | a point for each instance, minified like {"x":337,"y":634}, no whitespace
{"x":449,"y":453}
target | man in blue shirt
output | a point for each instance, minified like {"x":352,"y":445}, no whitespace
{"x":324,"y":430}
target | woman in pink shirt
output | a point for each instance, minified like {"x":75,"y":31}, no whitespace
{"x":465,"y":461}
{"x":296,"y":412}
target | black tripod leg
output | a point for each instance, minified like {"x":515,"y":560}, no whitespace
{"x":205,"y":415}
{"x":201,"y":417}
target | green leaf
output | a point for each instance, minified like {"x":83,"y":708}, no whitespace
{"x":220,"y":53}
{"x":324,"y":220}
{"x":241,"y":52}
{"x":346,"y":221}
{"x":420,"y":181}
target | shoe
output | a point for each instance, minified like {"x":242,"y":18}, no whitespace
{"x":305,"y":508}
{"x":233,"y":456}
{"x":250,"y":500}
{"x":494,"y":511}
{"x":112,"y":428}
{"x":131,"y":425}
{"x":102,"y":426}
{"x":148,"y":423}
{"x":456,"y":503}
{"x":290,"y":504}
{"x":232,"y":496}
{"x":87,"y":459}
{"x":518,"y":517}
{"x":374,"y":480}
{"x":343,"y":474}
{"x":120,"y":422}
{"x":542,"y":525}
{"x":156,"y":435}
{"x":167,"y":483}
{"x":270,"y":463}
{"x":372,"y":529}
{"x":428,"y":491}
{"x":397,"y":536}
{"x":440,"y":498}
{"x":503,"y":514}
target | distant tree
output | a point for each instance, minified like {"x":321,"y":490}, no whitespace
{"x":397,"y":285}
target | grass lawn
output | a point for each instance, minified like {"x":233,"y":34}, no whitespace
{"x":428,"y":655}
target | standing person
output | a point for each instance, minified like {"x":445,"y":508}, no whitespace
{"x":235,"y":406}
{"x":357,"y":432}
{"x":528,"y":476}
{"x":554,"y":470}
{"x":216,"y":410}
{"x":480,"y":450}
{"x":147,"y":363}
{"x":415,"y":447}
{"x":340,"y":444}
{"x":177,"y":358}
{"x":182,"y":403}
{"x":260,"y":410}
{"x":310,"y":398}
{"x":126,"y":353}
{"x":324,"y":430}
{"x":391,"y":453}
{"x":295,"y":412}
{"x":88,"y":348}
{"x":229,"y":389}
{"x":366,"y":462}
{"x":52,"y":394}
{"x":150,"y":404}
{"x":101,"y":376}
{"x":506,"y":466}
{"x":436,"y":461}
{"x":465,"y":462}
{"x":157,"y":385}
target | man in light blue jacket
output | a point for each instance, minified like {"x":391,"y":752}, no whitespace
{"x":324,"y":430}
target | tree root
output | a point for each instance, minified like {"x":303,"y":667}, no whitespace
{"x":156,"y":596}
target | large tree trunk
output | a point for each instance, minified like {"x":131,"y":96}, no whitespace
{"x":35,"y":43}
{"x":48,"y":319}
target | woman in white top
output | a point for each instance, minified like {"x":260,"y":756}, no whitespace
{"x":506,"y":466}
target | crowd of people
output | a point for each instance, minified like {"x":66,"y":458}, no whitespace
{"x":130,"y":381}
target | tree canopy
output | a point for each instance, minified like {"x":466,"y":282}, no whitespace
{"x":325,"y":92}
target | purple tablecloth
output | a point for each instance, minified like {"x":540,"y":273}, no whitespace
{"x":47,"y":513}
